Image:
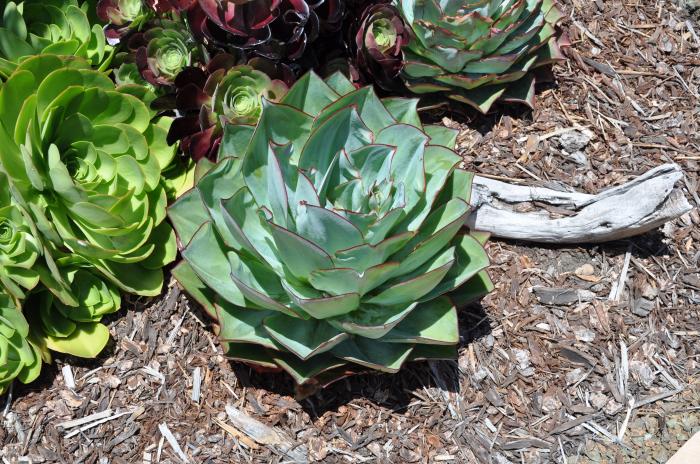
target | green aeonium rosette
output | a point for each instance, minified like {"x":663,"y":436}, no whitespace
{"x":19,"y":358}
{"x":84,"y":160}
{"x":62,"y":27}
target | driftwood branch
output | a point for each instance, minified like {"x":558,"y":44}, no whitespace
{"x":541,"y":214}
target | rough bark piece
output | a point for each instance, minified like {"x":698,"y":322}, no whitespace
{"x":638,"y":206}
{"x":266,"y":435}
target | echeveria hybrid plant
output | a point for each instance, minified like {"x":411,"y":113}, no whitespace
{"x":60,"y":27}
{"x":479,"y":51}
{"x":84,"y":160}
{"x":328,"y":238}
{"x":19,"y":358}
{"x":222,"y":94}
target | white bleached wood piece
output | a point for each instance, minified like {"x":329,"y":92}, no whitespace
{"x":638,"y":206}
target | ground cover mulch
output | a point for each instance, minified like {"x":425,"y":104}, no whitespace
{"x":581,"y":354}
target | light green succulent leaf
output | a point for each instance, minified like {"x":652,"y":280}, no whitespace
{"x":474,"y":289}
{"x":403,"y":110}
{"x":235,"y":140}
{"x":187,"y":214}
{"x":317,"y":305}
{"x":418,"y":283}
{"x":202,"y":294}
{"x":470,"y":259}
{"x":339,"y":83}
{"x":299,"y":255}
{"x":384,"y":357}
{"x":204,"y":253}
{"x":246,"y":225}
{"x":433,"y":322}
{"x":310,"y":94}
{"x":86,"y":341}
{"x":303,"y":338}
{"x":372,"y":321}
{"x":240,"y":325}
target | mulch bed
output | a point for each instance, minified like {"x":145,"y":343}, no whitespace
{"x":581,"y":354}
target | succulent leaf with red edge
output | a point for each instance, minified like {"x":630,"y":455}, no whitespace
{"x":479,"y":51}
{"x":379,"y":38}
{"x":223,"y":94}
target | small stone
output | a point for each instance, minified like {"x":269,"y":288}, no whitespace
{"x":522,"y":357}
{"x":587,"y":270}
{"x":575,"y":140}
{"x":612,"y":407}
{"x":642,"y":373}
{"x":480,"y":374}
{"x":642,"y":307}
{"x":584,"y":334}
{"x":550,"y":403}
{"x":599,"y":400}
{"x":649,"y":292}
{"x":574,"y":376}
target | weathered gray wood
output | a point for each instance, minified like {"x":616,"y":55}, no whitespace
{"x":638,"y":206}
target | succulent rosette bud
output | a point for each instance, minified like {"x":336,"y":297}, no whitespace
{"x":479,"y":51}
{"x":227,"y":95}
{"x":75,"y":330}
{"x":19,"y":358}
{"x":19,"y":251}
{"x":162,"y":52}
{"x":122,"y":16}
{"x":84,"y":160}
{"x":380,"y":36}
{"x":329,"y":238}
{"x":60,"y":27}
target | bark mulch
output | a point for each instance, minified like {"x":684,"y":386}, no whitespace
{"x":581,"y":354}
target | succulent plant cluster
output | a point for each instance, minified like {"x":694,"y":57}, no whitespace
{"x":319,"y":221}
{"x":82,"y":207}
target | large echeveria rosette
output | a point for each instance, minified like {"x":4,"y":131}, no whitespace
{"x":61,"y":27}
{"x":479,"y":51}
{"x":84,"y":160}
{"x":328,"y":239}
